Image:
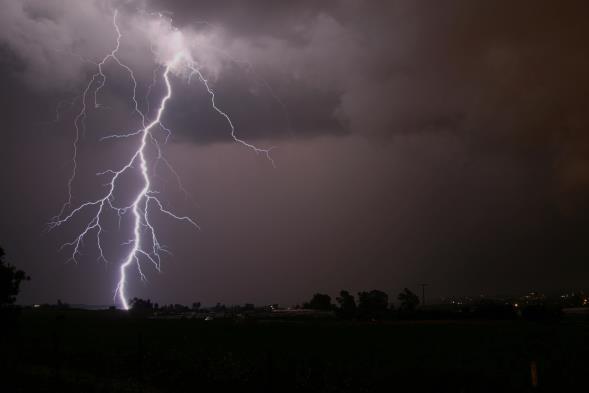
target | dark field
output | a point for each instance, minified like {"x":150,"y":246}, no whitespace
{"x":93,"y":351}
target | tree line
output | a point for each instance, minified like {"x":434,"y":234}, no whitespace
{"x":368,"y":305}
{"x":10,"y":281}
{"x":371,"y":305}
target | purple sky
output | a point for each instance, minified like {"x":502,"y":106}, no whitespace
{"x":436,"y":142}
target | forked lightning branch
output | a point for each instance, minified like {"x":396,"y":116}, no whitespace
{"x":144,"y":244}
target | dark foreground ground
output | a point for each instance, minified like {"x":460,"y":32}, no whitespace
{"x":91,"y":351}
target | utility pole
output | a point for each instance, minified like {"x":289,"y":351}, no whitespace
{"x":423,"y":294}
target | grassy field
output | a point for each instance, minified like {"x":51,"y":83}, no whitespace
{"x":95,"y":351}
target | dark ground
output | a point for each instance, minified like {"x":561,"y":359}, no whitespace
{"x":107,"y":351}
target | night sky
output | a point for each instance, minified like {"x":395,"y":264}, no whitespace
{"x":416,"y":142}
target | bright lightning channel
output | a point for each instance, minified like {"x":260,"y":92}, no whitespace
{"x":146,"y":199}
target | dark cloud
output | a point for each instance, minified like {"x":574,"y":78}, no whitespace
{"x":441,"y":142}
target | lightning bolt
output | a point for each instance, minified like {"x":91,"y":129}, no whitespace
{"x":144,"y":242}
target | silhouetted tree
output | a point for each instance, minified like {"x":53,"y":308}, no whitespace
{"x":141,"y":307}
{"x":10,"y":280}
{"x":347,"y":305}
{"x":319,"y":301}
{"x":61,"y":305}
{"x":195,"y":306}
{"x":575,"y":299}
{"x":373,"y":304}
{"x":180,"y":308}
{"x":409,"y":300}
